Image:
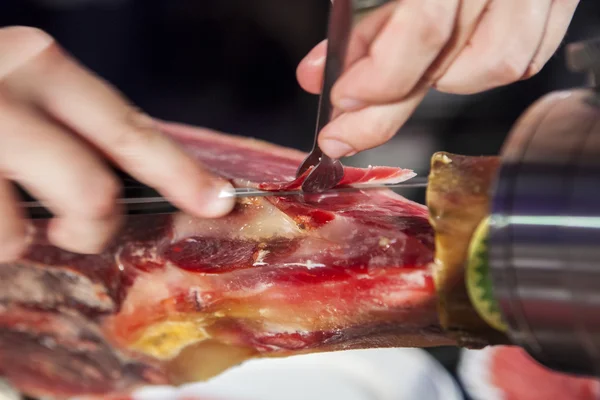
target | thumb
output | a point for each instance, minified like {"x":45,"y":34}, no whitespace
{"x":353,"y":132}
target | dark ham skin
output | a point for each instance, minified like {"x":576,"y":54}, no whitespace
{"x":175,"y":299}
{"x":458,"y":199}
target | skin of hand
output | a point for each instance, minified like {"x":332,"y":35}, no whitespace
{"x":58,"y":124}
{"x":404,"y":48}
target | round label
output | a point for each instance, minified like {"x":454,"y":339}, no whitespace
{"x":478,"y":282}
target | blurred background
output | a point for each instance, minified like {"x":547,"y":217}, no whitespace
{"x":230,"y":65}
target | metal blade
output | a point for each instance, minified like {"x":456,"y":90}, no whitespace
{"x":153,"y":203}
{"x":251,"y":192}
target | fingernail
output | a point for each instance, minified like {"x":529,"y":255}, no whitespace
{"x":316,"y":61}
{"x":347,"y":104}
{"x":315,"y":57}
{"x":220,"y":200}
{"x":336,"y":149}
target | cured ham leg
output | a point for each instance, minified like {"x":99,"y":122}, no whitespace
{"x":176,"y":299}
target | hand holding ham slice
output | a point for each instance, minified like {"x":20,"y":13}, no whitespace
{"x":461,"y":47}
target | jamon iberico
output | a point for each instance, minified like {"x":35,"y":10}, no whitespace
{"x":176,"y":299}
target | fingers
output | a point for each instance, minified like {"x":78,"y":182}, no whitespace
{"x":12,"y":226}
{"x":469,"y":15}
{"x":57,"y":169}
{"x":561,"y":14}
{"x":370,"y":127}
{"x":412,"y":39}
{"x":460,"y":47}
{"x":95,"y":111}
{"x":310,"y":70}
{"x":501,"y":48}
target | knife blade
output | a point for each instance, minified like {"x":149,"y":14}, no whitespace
{"x":253,"y":192}
{"x":141,"y":200}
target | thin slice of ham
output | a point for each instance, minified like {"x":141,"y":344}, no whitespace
{"x":258,"y":164}
{"x":352,"y":176}
{"x":176,"y":299}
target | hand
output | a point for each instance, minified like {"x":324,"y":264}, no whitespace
{"x":57,"y":123}
{"x":404,"y":48}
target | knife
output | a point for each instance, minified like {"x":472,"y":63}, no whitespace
{"x":252,"y":192}
{"x":139,"y":199}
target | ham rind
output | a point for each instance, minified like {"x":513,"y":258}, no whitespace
{"x":458,"y":198}
{"x":176,"y":299}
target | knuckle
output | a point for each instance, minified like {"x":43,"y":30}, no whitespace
{"x":399,"y":91}
{"x":534,"y":68}
{"x":380,"y":133}
{"x":136,"y":132}
{"x":436,"y":25}
{"x":362,"y":131}
{"x":391,"y":86}
{"x":506,"y":70}
{"x":386,"y":134}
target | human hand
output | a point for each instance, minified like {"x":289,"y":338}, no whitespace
{"x":404,"y":48}
{"x":58,"y":124}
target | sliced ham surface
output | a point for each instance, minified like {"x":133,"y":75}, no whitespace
{"x":176,"y":299}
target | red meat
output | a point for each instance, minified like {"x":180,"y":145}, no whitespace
{"x":176,"y":299}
